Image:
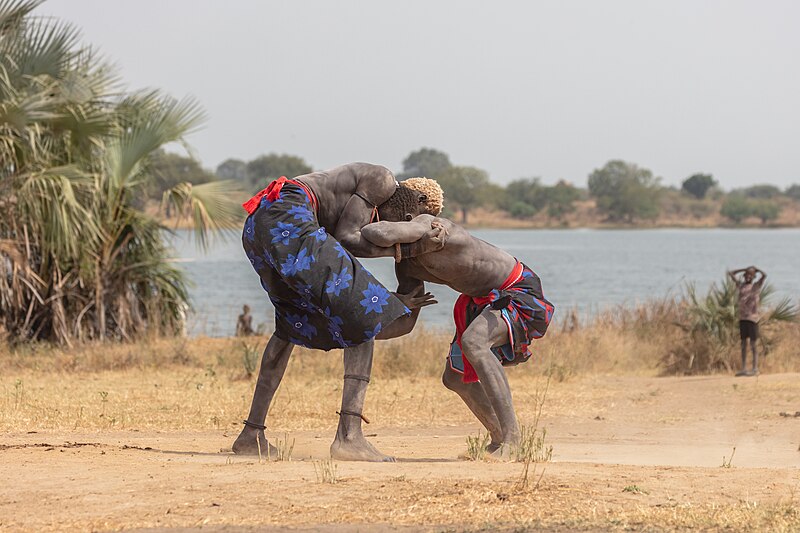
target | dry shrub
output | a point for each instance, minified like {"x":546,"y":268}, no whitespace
{"x":650,"y":339}
{"x":619,"y":340}
{"x":420,"y":354}
{"x":780,"y":355}
{"x":97,"y":356}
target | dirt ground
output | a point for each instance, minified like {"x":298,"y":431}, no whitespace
{"x":642,"y":454}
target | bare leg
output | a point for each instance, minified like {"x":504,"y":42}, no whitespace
{"x":477,"y":401}
{"x":350,"y":444}
{"x":744,"y":355}
{"x":753,"y":347}
{"x":488,"y":330}
{"x":273,"y":365}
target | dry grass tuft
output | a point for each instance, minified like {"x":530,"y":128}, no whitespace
{"x":325,"y":471}
{"x":284,"y":448}
{"x":476,"y":446}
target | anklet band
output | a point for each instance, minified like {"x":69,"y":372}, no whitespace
{"x":254,"y":425}
{"x":353,"y":413}
{"x":356,"y":376}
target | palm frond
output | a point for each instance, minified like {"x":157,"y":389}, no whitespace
{"x":784,"y":311}
{"x":208,"y":205}
{"x":50,"y":197}
{"x":149,"y":120}
{"x":21,"y":112}
{"x":47,"y":49}
{"x":13,"y":13}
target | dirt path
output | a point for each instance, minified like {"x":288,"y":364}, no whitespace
{"x":645,"y":453}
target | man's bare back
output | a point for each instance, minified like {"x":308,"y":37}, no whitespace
{"x":347,"y":197}
{"x":466,"y":264}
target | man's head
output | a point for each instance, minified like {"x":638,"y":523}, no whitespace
{"x":434,"y":196}
{"x":246,"y":309}
{"x":749,"y":274}
{"x":403,"y":205}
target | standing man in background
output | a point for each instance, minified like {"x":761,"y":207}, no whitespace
{"x":749,"y":300}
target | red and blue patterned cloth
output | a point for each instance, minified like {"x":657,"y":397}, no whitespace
{"x":523,"y":308}
{"x":323,"y":297}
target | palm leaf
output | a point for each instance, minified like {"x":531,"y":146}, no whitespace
{"x":784,"y":311}
{"x":209,"y":206}
{"x":149,"y":121}
{"x":50,"y":197}
{"x":13,"y":13}
{"x":47,"y":49}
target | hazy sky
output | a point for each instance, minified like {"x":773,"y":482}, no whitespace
{"x":550,"y":89}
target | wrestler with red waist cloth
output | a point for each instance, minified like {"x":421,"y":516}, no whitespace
{"x":500,"y":311}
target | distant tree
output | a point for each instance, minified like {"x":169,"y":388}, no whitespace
{"x":465,"y":187}
{"x":560,"y":199}
{"x":232,"y":169}
{"x":764,"y":192}
{"x":525,"y":197}
{"x":494,"y":196}
{"x":766,"y":210}
{"x":624,"y":191}
{"x":169,"y":169}
{"x":736,"y":207}
{"x":793,"y":191}
{"x":426,"y":162}
{"x":266,"y":168}
{"x":698,"y":185}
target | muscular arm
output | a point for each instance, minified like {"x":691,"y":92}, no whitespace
{"x":405,"y":285}
{"x":374,"y":185}
{"x":388,"y":233}
{"x":761,"y":276}
{"x":734,"y":273}
{"x":422,"y":235}
{"x":355,"y":216}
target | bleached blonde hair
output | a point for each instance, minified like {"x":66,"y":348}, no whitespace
{"x":431,"y":189}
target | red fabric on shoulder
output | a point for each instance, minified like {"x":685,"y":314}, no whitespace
{"x":272,"y":192}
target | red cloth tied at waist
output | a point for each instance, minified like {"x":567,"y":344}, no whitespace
{"x":273,"y":192}
{"x":460,"y":316}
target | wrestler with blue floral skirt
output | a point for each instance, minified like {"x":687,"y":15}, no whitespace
{"x":301,"y":236}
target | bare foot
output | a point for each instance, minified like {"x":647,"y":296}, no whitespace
{"x":503,"y":452}
{"x":493,"y":447}
{"x":250,"y":440}
{"x":357,"y":449}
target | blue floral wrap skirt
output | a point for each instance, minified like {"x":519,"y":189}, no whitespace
{"x":323,"y":297}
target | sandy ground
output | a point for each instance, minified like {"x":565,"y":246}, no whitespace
{"x":647,"y":455}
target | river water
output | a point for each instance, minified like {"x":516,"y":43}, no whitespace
{"x":588,"y":270}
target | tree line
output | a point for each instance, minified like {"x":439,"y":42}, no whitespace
{"x":622,"y":192}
